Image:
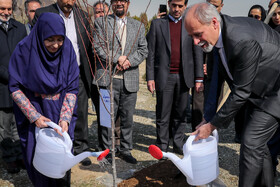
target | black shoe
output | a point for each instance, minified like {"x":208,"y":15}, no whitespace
{"x":178,"y":151}
{"x":237,"y":138}
{"x":86,"y":162}
{"x":12,"y":167}
{"x":20,"y":163}
{"x":126,"y":156}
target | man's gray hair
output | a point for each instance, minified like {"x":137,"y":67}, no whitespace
{"x":204,"y":13}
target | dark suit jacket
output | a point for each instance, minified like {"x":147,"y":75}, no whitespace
{"x":82,"y":27}
{"x":16,"y":32}
{"x":158,"y":61}
{"x":253,"y":56}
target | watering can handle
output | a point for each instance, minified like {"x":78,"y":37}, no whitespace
{"x":64,"y":134}
{"x":215,"y":134}
{"x":192,"y":137}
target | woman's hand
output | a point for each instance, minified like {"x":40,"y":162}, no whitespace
{"x":40,"y":122}
{"x":64,"y":126}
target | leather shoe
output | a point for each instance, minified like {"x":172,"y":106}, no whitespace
{"x":86,"y":162}
{"x":237,"y":138}
{"x":20,"y":163}
{"x":126,"y":156}
{"x":12,"y":167}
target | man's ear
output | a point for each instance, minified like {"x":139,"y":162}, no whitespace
{"x":215,"y":23}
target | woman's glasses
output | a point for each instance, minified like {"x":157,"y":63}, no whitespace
{"x":254,"y":16}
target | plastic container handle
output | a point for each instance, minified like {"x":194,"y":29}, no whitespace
{"x":192,"y":137}
{"x":64,"y":134}
{"x":189,"y":141}
{"x":215,"y":134}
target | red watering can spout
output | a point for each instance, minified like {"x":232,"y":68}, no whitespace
{"x":103,"y":155}
{"x":155,"y":152}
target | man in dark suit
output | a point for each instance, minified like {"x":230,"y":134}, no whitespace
{"x":249,"y":62}
{"x":11,"y":32}
{"x":77,"y":30}
{"x":171,"y":72}
{"x":128,"y":47}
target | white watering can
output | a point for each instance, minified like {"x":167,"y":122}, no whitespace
{"x":200,"y":162}
{"x":53,"y":157}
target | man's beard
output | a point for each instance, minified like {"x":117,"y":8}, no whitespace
{"x":119,"y":13}
{"x":4,"y":18}
{"x":206,"y":49}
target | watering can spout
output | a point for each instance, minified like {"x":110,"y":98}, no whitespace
{"x":73,"y":160}
{"x":184,"y":165}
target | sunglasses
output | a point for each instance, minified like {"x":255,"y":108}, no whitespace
{"x":254,"y":16}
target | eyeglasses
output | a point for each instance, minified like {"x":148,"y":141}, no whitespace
{"x":122,"y":1}
{"x":254,"y":16}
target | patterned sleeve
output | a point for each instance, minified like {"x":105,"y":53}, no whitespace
{"x":68,"y":107}
{"x":25,"y":106}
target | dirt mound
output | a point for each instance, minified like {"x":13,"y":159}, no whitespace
{"x":163,"y":174}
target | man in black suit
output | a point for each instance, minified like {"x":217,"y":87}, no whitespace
{"x":77,"y":30}
{"x":11,"y":32}
{"x":171,"y":73}
{"x":249,"y":62}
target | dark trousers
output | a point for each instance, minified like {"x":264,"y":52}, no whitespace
{"x":274,"y":148}
{"x":255,"y":161}
{"x":80,"y":143}
{"x":124,"y":107}
{"x":9,"y":139}
{"x":172,"y":100}
{"x":197,"y":108}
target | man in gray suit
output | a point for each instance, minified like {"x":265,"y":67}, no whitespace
{"x":171,"y":72}
{"x":249,"y":62}
{"x":128,"y":49}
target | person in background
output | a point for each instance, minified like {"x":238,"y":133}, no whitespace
{"x":100,"y":9}
{"x":77,"y":30}
{"x":30,"y":7}
{"x":44,"y":82}
{"x":274,"y":22}
{"x":11,"y":32}
{"x":257,"y":12}
{"x":245,"y":62}
{"x":270,"y":4}
{"x":218,"y":4}
{"x":129,"y":49}
{"x":171,"y":72}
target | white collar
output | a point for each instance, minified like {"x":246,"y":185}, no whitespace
{"x":219,"y":43}
{"x":173,"y":19}
{"x":121,"y":20}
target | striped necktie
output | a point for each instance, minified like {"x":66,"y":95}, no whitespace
{"x":5,"y":26}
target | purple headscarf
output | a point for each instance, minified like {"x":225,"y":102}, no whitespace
{"x":34,"y":67}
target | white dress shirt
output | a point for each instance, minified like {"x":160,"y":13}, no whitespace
{"x":71,"y":32}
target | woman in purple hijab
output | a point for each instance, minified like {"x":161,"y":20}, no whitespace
{"x":44,"y":81}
